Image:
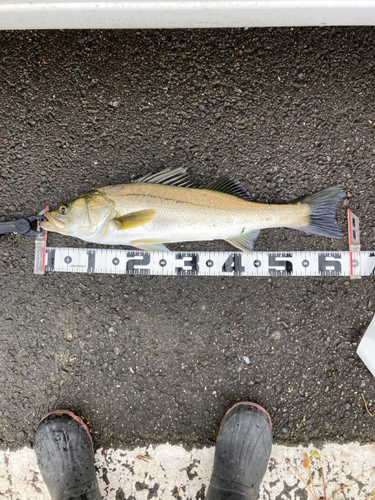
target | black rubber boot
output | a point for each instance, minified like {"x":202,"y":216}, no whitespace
{"x":242,"y":453}
{"x":65,"y":455}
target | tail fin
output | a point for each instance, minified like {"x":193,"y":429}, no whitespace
{"x":322,"y":212}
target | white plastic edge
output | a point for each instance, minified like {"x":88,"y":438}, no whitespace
{"x":366,"y":348}
{"x":71,"y":14}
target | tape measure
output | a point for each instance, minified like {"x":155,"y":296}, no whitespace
{"x":83,"y":260}
{"x":353,"y":263}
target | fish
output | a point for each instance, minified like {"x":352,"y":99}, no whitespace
{"x":168,"y":207}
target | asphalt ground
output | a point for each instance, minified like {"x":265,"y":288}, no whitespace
{"x":154,"y":359}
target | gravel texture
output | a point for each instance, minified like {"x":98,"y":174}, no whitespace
{"x":155,"y":359}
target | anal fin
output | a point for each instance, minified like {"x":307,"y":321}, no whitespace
{"x":245,"y":242}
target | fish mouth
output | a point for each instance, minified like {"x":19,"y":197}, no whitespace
{"x":52,"y":223}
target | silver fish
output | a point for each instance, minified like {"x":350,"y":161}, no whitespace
{"x":168,"y":208}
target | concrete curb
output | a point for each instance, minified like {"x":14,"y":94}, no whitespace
{"x":74,"y":14}
{"x":166,"y":471}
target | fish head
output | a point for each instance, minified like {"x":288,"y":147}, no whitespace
{"x":85,"y":217}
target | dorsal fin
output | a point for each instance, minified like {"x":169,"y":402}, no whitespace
{"x":171,"y":177}
{"x":230,"y":185}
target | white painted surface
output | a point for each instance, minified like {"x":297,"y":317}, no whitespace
{"x":175,"y":469}
{"x":102,"y":14}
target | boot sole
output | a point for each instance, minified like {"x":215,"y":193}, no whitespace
{"x":75,"y":417}
{"x":247,"y":403}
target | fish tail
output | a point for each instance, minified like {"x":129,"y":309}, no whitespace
{"x":322,"y":205}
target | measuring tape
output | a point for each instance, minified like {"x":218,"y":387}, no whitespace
{"x":83,"y":260}
{"x":353,"y":263}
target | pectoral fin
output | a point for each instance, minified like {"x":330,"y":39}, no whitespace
{"x":134,"y":219}
{"x":245,"y":242}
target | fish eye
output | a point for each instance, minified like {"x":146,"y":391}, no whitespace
{"x":63,"y":209}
